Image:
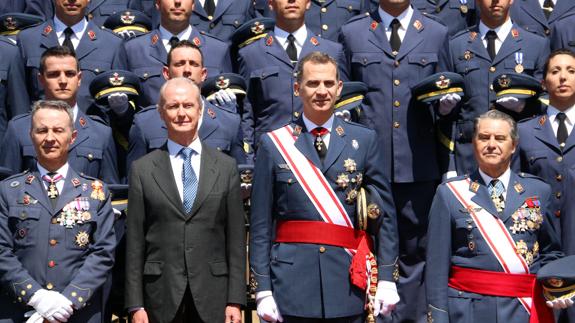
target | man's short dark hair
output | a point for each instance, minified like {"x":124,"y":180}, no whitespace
{"x":315,"y":58}
{"x":56,"y":51}
{"x":185,"y":44}
{"x":497,"y":115}
{"x":560,"y":51}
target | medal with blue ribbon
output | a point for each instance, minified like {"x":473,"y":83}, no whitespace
{"x":519,"y":62}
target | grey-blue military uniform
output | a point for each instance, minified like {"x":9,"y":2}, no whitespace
{"x":529,"y":15}
{"x":8,"y":6}
{"x":95,"y":54}
{"x":457,"y":15}
{"x":563,"y":33}
{"x":38,"y":252}
{"x":454,"y":239}
{"x":521,"y":52}
{"x":98,"y":10}
{"x":14,"y":99}
{"x":93,"y":153}
{"x":228,"y":16}
{"x":270,"y":75}
{"x":220,"y":129}
{"x":146,"y":55}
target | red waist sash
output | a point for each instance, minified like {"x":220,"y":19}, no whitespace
{"x":318,"y":232}
{"x":502,"y":284}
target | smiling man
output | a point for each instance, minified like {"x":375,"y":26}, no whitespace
{"x":56,"y":230}
{"x":304,"y":224}
{"x":489,"y":233}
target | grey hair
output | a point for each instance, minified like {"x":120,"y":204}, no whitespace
{"x":53,"y":105}
{"x":497,"y":115}
{"x":177,"y":81}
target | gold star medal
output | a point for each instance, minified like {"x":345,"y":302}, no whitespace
{"x":97,"y":191}
{"x":350,"y":165}
{"x":82,"y":239}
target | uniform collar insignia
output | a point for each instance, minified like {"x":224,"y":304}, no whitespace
{"x":518,"y":188}
{"x":542,"y":120}
{"x":155,"y":39}
{"x":269,"y":41}
{"x":296,"y":130}
{"x":514,"y":33}
{"x":30,"y":179}
{"x":314,"y":41}
{"x":47,"y":30}
{"x":75,"y":182}
{"x":211,"y":113}
{"x":472,"y":36}
{"x":418,"y":25}
{"x":373,"y":25}
{"x":339,"y":130}
{"x":197,"y":41}
{"x":82,"y":121}
{"x":92,"y":35}
{"x":474,"y":186}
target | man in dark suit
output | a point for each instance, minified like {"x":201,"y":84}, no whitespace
{"x":56,"y":230}
{"x":186,"y":242}
{"x":489,"y":233}
{"x":304,"y":212}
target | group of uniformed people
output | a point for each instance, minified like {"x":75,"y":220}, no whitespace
{"x":417,"y":73}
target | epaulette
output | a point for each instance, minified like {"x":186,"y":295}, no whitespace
{"x":147,"y":109}
{"x":461,"y":32}
{"x":20,"y":116}
{"x":98,"y":119}
{"x":358,"y":17}
{"x":356,"y":124}
{"x":17,"y":174}
{"x":527,"y":175}
{"x":207,"y":35}
{"x":528,"y":119}
{"x":456,"y":178}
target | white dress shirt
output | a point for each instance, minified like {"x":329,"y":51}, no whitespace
{"x":165,"y":35}
{"x":404,"y":19}
{"x":542,"y":1}
{"x":300,"y":37}
{"x":78,"y":30}
{"x":501,"y":31}
{"x":327,"y":125}
{"x":569,"y":120}
{"x":177,"y":162}
{"x":61,"y":171}
{"x":202,"y":2}
{"x":504,"y":179}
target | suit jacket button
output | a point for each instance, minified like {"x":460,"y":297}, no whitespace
{"x":324,"y":9}
{"x":53,"y":242}
{"x":492,"y":69}
{"x":396,"y":124}
{"x":558,"y":213}
{"x":322,"y":249}
{"x":49,"y":286}
{"x":559,"y":177}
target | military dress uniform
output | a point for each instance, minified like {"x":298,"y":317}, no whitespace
{"x":146,"y":55}
{"x":67,"y":248}
{"x":8,"y":6}
{"x":12,"y":23}
{"x":13,"y":97}
{"x":563,"y":35}
{"x":405,"y":130}
{"x":220,"y":129}
{"x":228,"y":16}
{"x":455,"y":241}
{"x":457,"y":15}
{"x":520,"y":52}
{"x":308,"y":279}
{"x":93,"y":153}
{"x":98,"y":10}
{"x":270,"y":75}
{"x":529,"y":15}
{"x":95,"y":53}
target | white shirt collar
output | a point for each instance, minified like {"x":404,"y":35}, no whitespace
{"x":78,"y":28}
{"x":166,"y":35}
{"x":310,"y":125}
{"x":501,"y":31}
{"x":282,"y":35}
{"x":75,"y":112}
{"x":62,"y":170}
{"x":552,"y":113}
{"x":504,"y":178}
{"x":404,"y":18}
{"x":175,"y":148}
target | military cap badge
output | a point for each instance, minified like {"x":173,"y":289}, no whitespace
{"x":127,"y":18}
{"x":10,"y":23}
{"x":504,"y":81}
{"x":443,"y":82}
{"x":258,"y":28}
{"x":116,"y":79}
{"x":222,"y":83}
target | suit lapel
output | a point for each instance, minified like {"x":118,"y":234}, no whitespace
{"x":88,"y":42}
{"x":482,"y":197}
{"x":157,"y":49}
{"x":164,"y":177}
{"x":511,"y":45}
{"x":94,"y":4}
{"x":310,"y":44}
{"x":82,"y":124}
{"x":413,"y":36}
{"x":49,"y":39}
{"x":544,"y":132}
{"x":476,"y":46}
{"x":304,"y":143}
{"x":34,"y":187}
{"x":69,"y":192}
{"x":562,"y":7}
{"x":515,"y":197}
{"x":221,"y":7}
{"x":336,"y":144}
{"x":208,"y":124}
{"x":377,"y":35}
{"x":208,"y":176}
{"x":199,"y":10}
{"x":533,"y":9}
{"x":276,"y":50}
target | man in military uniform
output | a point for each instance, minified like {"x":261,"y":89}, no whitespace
{"x":220,"y":127}
{"x":12,"y":6}
{"x":307,"y":178}
{"x":562,"y":35}
{"x":93,"y":152}
{"x":269,"y":63}
{"x":11,"y":24}
{"x":391,"y":50}
{"x":539,"y":16}
{"x":495,"y":46}
{"x":94,"y":47}
{"x":56,"y":230}
{"x":98,"y":10}
{"x":457,"y":15}
{"x":489,"y":232}
{"x":146,"y":55}
{"x":14,"y":99}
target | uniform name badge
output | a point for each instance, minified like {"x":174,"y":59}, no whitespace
{"x":463,"y":6}
{"x":519,"y":62}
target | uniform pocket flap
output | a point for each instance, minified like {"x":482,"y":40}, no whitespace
{"x":219,"y":268}
{"x":88,"y":152}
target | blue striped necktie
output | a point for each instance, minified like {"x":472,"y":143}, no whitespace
{"x":189,"y":179}
{"x":496,"y":189}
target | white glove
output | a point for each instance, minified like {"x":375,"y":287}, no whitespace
{"x":126,"y":34}
{"x":267,"y":308}
{"x":385,"y":298}
{"x":511,"y":103}
{"x":118,"y":102}
{"x":560,"y":303}
{"x":224,"y":97}
{"x":35,"y":318}
{"x":448,"y":102}
{"x":51,"y":305}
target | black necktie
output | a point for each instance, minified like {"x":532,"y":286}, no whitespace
{"x":210,"y":7}
{"x":173,"y":41}
{"x":394,"y":39}
{"x":491,"y":37}
{"x":319,"y":144}
{"x":68,"y":32}
{"x":562,"y":129}
{"x":291,"y":49}
{"x":548,"y":6}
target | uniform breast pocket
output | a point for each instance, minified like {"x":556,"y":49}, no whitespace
{"x":233,"y":20}
{"x":146,"y":73}
{"x":80,"y":236}
{"x":286,"y":189}
{"x":269,"y":81}
{"x":421,"y":66}
{"x":93,"y":67}
{"x":23,"y":223}
{"x":219,"y":144}
{"x":349,"y":7}
{"x":537,"y":160}
{"x":110,"y":9}
{"x":465,"y":237}
{"x":367,"y":68}
{"x":88,"y":160}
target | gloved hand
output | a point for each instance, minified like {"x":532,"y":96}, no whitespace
{"x":511,"y":103}
{"x":126,"y":34}
{"x":560,"y":303}
{"x":224,"y":97}
{"x":51,"y":305}
{"x":385,"y":298}
{"x":118,"y":102}
{"x":448,"y":102}
{"x":267,"y":307}
{"x":35,"y":318}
